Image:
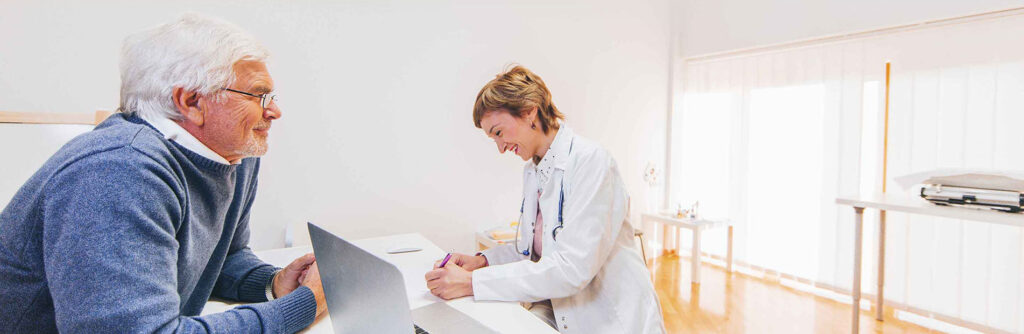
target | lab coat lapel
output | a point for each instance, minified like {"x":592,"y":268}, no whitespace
{"x":562,"y":148}
{"x":529,"y":210}
{"x":559,"y":157}
{"x":549,"y":209}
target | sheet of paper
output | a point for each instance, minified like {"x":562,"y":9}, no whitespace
{"x":971,"y":178}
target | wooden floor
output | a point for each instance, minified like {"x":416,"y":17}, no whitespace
{"x":738,"y":303}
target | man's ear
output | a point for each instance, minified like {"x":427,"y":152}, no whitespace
{"x":186,"y":102}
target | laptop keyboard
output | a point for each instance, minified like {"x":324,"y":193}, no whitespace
{"x":420,"y":330}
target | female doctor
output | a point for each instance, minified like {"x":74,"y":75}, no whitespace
{"x":574,"y":262}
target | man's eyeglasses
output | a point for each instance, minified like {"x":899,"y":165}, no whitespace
{"x":265,"y":98}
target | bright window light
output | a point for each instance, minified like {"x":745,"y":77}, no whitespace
{"x":705,"y":148}
{"x":784,"y":188}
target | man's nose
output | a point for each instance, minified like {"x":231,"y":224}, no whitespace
{"x":272,"y":111}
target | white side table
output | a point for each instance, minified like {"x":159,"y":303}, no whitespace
{"x":670,"y":222}
{"x":483,"y":241}
{"x":912,"y":205}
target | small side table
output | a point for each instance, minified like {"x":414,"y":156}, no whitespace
{"x":696,"y":225}
{"x":483,"y":241}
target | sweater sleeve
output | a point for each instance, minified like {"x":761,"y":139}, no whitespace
{"x":244,"y":277}
{"x":110,"y":255}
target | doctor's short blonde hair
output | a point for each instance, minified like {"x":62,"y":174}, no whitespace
{"x":516,"y":91}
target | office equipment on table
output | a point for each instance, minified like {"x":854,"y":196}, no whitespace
{"x":971,"y":188}
{"x":697,"y":225}
{"x":909,"y":205}
{"x":399,"y":250}
{"x":366,"y":294}
{"x":508,"y":317}
{"x":961,"y":177}
{"x":974,"y":198}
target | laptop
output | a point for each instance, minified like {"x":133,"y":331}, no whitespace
{"x":366,"y":294}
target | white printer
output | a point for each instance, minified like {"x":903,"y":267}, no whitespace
{"x":989,"y":190}
{"x":1000,"y":200}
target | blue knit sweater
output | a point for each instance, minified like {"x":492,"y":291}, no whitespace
{"x":124,"y":231}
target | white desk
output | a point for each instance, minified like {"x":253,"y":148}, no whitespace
{"x":695,"y":225}
{"x":504,"y":317}
{"x":909,"y":205}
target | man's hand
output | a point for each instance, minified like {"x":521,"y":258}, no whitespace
{"x":468,"y":262}
{"x":311,"y":279}
{"x":450,"y":282}
{"x":289,"y":278}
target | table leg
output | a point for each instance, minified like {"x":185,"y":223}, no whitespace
{"x":695,"y":253}
{"x":677,"y":240}
{"x":857,"y":241}
{"x":728,"y":255}
{"x":881,"y":266}
{"x":665,"y":229}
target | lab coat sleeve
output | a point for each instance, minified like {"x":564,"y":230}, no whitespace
{"x":593,"y":214}
{"x":501,"y":255}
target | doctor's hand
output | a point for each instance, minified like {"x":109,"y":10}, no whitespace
{"x":468,"y":262}
{"x":450,"y":282}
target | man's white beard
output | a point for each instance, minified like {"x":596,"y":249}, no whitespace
{"x":254,"y":147}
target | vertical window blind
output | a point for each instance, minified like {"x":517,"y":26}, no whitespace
{"x":769,"y":139}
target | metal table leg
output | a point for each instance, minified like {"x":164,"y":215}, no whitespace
{"x":857,"y":241}
{"x":695,"y":263}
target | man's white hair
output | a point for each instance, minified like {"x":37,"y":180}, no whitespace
{"x":195,"y":52}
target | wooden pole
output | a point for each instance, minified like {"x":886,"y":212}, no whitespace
{"x":880,"y":296}
{"x":885,"y":141}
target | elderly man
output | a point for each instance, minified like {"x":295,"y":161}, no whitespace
{"x":133,"y":226}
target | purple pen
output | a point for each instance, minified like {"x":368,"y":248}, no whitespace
{"x":445,"y":261}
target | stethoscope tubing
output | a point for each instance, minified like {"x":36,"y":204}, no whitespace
{"x":561,"y":203}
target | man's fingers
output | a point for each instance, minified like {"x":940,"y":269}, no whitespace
{"x":305,"y":260}
{"x":300,"y":264}
{"x":437,"y":264}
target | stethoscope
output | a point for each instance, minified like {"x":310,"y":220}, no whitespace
{"x":561,"y":202}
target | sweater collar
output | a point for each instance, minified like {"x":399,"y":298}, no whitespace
{"x":194,"y":157}
{"x":174,"y":132}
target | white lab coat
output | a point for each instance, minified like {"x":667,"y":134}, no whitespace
{"x":593,"y":274}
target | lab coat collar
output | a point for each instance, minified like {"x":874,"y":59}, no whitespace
{"x":557,"y":155}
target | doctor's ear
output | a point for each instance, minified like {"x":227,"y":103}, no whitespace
{"x":530,"y":115}
{"x":186,"y":102}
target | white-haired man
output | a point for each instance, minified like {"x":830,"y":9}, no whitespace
{"x":133,"y":226}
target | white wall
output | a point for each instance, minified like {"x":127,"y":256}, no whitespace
{"x":377,"y":135}
{"x":707,"y":26}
